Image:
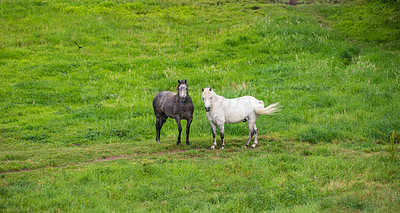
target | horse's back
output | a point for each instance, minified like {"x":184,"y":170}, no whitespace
{"x":238,"y":109}
{"x":161,"y":99}
{"x":163,"y":96}
{"x":245,"y":101}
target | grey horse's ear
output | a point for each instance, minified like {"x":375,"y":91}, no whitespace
{"x":202,"y":89}
{"x":210,"y":89}
{"x":179,"y":81}
{"x":185,"y":81}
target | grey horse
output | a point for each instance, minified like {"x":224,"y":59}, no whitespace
{"x":177,"y":106}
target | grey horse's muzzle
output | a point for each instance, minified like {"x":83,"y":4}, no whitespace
{"x":182,"y":99}
{"x":207,"y":109}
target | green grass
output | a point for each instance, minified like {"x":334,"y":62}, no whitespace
{"x":277,"y":176}
{"x":77,"y":126}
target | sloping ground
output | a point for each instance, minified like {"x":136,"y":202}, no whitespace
{"x":77,"y":129}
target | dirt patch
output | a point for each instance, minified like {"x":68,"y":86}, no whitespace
{"x":112,"y":158}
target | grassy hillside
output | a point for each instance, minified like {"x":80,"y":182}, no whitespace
{"x":57,"y":93}
{"x":78,"y":78}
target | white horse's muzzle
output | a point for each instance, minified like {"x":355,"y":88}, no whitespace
{"x":207,"y":105}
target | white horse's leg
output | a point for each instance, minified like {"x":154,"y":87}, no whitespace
{"x":214,"y":133}
{"x":255,"y":137}
{"x":252,"y":124}
{"x":250,"y":136}
{"x":222,"y":135}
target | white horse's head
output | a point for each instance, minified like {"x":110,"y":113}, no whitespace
{"x":182,"y":90}
{"x":207,"y":97}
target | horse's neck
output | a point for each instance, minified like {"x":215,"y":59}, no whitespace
{"x":218,"y":99}
{"x":188,"y":100}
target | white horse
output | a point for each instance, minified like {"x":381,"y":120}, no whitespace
{"x":221,"y":110}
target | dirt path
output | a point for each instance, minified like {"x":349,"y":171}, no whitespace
{"x":111,"y":158}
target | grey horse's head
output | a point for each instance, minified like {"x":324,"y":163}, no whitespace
{"x":182,"y":90}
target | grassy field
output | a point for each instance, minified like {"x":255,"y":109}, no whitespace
{"x":77,"y":127}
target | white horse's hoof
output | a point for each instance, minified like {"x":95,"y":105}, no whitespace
{"x":222,"y":147}
{"x":253,"y":146}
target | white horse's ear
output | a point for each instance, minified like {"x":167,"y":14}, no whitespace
{"x":179,"y":81}
{"x":185,"y":81}
{"x":210,"y":89}
{"x":202,"y":89}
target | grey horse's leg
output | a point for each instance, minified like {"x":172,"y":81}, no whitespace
{"x":189,"y":121}
{"x":160,"y":120}
{"x":178,"y":121}
{"x":214,"y":134}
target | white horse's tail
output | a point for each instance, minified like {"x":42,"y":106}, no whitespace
{"x":271,"y":109}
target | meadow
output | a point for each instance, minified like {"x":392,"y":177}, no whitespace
{"x":77,"y":129}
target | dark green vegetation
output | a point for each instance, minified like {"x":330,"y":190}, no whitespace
{"x":78,"y":77}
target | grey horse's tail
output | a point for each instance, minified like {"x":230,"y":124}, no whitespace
{"x":269,"y":110}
